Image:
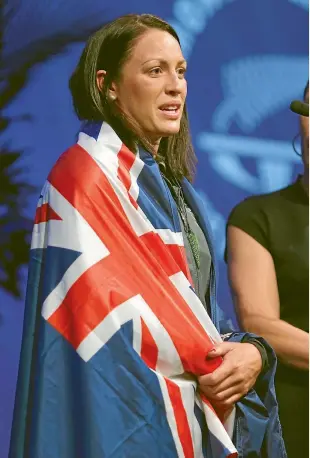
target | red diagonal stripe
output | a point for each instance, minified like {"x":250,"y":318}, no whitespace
{"x":181,"y":418}
{"x":149,"y":350}
{"x":167,"y":251}
{"x":45,"y":213}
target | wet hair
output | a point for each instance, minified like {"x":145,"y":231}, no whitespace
{"x":108,"y":49}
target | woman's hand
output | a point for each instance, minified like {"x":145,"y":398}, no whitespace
{"x":242,"y":363}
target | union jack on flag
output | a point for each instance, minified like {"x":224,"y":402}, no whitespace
{"x":114,"y":331}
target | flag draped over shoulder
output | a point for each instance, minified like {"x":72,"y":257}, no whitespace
{"x":114,"y":333}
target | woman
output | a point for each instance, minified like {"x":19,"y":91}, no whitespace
{"x":115,"y":350}
{"x":268,"y":247}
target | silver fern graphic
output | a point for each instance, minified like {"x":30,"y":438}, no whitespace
{"x":256,"y":87}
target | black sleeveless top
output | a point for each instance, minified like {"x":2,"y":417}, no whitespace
{"x":279,"y":221}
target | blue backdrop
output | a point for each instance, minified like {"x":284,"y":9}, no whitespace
{"x":247,"y":60}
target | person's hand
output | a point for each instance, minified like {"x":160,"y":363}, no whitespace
{"x":242,"y":363}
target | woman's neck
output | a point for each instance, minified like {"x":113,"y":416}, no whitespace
{"x":155,"y":145}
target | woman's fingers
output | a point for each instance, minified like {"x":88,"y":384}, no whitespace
{"x":221,"y":396}
{"x":233,"y":380}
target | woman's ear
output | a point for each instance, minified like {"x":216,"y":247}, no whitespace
{"x":100,"y":79}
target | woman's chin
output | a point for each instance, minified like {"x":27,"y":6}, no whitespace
{"x":171,"y":128}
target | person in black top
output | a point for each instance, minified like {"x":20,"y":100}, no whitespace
{"x":268,"y":268}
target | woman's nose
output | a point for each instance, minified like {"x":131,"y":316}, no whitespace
{"x":174,"y":84}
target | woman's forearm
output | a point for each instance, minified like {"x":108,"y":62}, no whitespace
{"x":291,"y":344}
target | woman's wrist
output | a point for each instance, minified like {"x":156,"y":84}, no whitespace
{"x":260,"y":347}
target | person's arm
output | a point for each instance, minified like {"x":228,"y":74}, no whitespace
{"x":254,"y":288}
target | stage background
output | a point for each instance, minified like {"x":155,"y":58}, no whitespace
{"x":247,"y":60}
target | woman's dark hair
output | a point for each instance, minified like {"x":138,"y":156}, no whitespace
{"x":108,"y":49}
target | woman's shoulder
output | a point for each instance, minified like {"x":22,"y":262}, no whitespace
{"x":74,"y":165}
{"x":262,"y":204}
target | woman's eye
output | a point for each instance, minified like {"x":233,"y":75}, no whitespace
{"x":155,"y":71}
{"x":182,"y":71}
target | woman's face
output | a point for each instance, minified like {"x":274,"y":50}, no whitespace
{"x":152,"y":87}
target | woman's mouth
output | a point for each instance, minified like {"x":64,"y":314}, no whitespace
{"x":171,"y":110}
